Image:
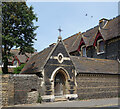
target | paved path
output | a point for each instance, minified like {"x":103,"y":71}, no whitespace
{"x":108,"y":102}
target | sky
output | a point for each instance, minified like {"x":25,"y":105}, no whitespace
{"x":70,"y":16}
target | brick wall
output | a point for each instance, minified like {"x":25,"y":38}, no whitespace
{"x":24,"y":89}
{"x":90,"y":86}
{"x":20,"y":89}
{"x":7,"y":90}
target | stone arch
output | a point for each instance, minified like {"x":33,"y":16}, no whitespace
{"x":59,"y":79}
{"x":56,"y":71}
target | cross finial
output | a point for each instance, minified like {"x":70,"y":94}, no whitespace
{"x":60,"y":31}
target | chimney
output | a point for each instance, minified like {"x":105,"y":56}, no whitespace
{"x":103,"y":22}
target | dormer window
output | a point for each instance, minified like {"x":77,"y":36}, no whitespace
{"x":100,"y":46}
{"x":83,"y":50}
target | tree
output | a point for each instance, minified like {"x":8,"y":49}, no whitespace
{"x":17,"y":29}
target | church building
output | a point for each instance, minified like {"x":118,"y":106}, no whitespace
{"x":83,"y":66}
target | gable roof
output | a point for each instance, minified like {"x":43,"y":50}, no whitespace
{"x":76,"y":43}
{"x":21,"y":57}
{"x":82,"y":64}
{"x":72,"y":41}
{"x":36,"y":63}
{"x":111,"y":30}
{"x":108,"y":32}
{"x":94,"y":65}
{"x":90,"y":35}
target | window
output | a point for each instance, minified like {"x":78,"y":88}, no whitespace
{"x":83,"y":50}
{"x":15,"y":63}
{"x":100,"y":46}
{"x":60,"y":57}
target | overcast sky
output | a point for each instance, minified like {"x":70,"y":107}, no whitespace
{"x":73,"y":17}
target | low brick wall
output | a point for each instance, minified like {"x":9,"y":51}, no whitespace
{"x":20,"y":89}
{"x":93,"y":86}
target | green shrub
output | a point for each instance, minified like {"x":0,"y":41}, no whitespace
{"x":1,"y":72}
{"x":39,"y":99}
{"x":17,"y":70}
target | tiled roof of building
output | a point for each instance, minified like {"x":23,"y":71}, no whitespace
{"x":94,"y":65}
{"x":75,"y":44}
{"x":109,"y":31}
{"x":90,"y":35}
{"x":112,"y":28}
{"x":22,"y":58}
{"x":36,"y":63}
{"x":82,"y":64}
{"x":71,"y":41}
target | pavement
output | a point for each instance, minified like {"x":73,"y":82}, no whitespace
{"x":92,"y":103}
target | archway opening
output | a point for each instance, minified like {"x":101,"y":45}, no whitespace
{"x":60,"y":83}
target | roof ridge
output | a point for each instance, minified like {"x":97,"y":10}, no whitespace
{"x":70,"y":36}
{"x":93,"y":58}
{"x":91,"y":29}
{"x":114,"y":18}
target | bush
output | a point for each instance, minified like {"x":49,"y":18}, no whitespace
{"x":0,"y":72}
{"x":39,"y":99}
{"x":17,"y":70}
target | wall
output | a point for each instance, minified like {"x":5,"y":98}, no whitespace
{"x":112,"y":50}
{"x":92,"y":86}
{"x":20,"y":89}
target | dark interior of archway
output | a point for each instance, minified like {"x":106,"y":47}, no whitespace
{"x":59,"y":84}
{"x":60,"y":77}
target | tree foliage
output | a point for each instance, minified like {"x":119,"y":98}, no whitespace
{"x":17,"y":29}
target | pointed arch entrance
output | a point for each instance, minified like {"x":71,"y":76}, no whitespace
{"x":59,"y":85}
{"x":60,"y":82}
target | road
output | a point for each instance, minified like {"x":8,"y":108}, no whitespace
{"x":89,"y":104}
